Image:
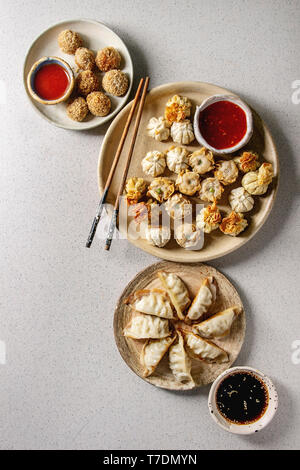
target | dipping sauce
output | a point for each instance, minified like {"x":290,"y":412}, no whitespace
{"x":51,"y":82}
{"x":223,"y":124}
{"x":242,"y":398}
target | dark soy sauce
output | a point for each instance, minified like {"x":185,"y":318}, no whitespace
{"x":242,"y":398}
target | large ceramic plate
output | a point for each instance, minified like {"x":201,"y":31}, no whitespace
{"x":96,"y":36}
{"x":193,"y":275}
{"x":216,"y":244}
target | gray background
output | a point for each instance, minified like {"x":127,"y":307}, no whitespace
{"x":64,"y":384}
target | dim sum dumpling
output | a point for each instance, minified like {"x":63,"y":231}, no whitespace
{"x":204,"y":299}
{"x":218,"y":325}
{"x":153,"y":302}
{"x":158,"y":128}
{"x":152,"y":353}
{"x":179,"y":362}
{"x":135,"y":189}
{"x":202,"y":161}
{"x":143,"y":326}
{"x":177,"y":108}
{"x":154,"y":163}
{"x":187,"y":236}
{"x":248,"y":161}
{"x":226,"y":172}
{"x":257,"y":182}
{"x":234,"y":224}
{"x":177,"y":159}
{"x":211,"y":189}
{"x":204,"y":350}
{"x":161,"y":188}
{"x":188,"y":182}
{"x":209,"y":218}
{"x":240,"y":200}
{"x":158,"y":236}
{"x":182,"y":132}
{"x":177,"y":291}
{"x":178,"y":206}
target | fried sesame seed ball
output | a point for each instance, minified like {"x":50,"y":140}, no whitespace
{"x":69,"y":41}
{"x":107,"y":59}
{"x":77,"y":109}
{"x":115,"y":82}
{"x":84,"y":58}
{"x":87,"y":82}
{"x":99,"y":104}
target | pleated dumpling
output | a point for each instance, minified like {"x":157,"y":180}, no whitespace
{"x":158,"y":128}
{"x":179,"y":362}
{"x":158,"y":236}
{"x":257,"y":182}
{"x":153,"y":302}
{"x":218,"y":325}
{"x":204,"y":299}
{"x":177,"y":291}
{"x":240,"y":200}
{"x":182,"y":132}
{"x":154,"y":163}
{"x":147,"y":326}
{"x":152,"y":353}
{"x":203,"y":349}
{"x":177,"y":159}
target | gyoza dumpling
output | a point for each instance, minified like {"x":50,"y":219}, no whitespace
{"x":188,"y":182}
{"x":153,"y":302}
{"x":182,"y":132}
{"x":202,"y":161}
{"x":218,"y":325}
{"x":143,"y":326}
{"x":154,"y":163}
{"x":226,"y":172}
{"x":158,"y":128}
{"x":177,"y":108}
{"x":248,"y":161}
{"x":152,"y":353}
{"x":240,"y":200}
{"x":257,"y":182}
{"x":177,"y":291}
{"x":204,"y":350}
{"x":178,"y":206}
{"x":177,"y":159}
{"x":211,"y":189}
{"x":209,"y":218}
{"x":158,"y":236}
{"x":204,"y":299}
{"x":188,"y":237}
{"x":179,"y":362}
{"x":161,"y":188}
{"x":233,"y":224}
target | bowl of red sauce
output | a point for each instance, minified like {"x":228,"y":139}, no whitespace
{"x":50,"y":80}
{"x":223,"y":124}
{"x":242,"y":400}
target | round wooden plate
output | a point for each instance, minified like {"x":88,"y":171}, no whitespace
{"x":216,"y":244}
{"x":192,"y":275}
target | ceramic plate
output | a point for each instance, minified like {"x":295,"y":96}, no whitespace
{"x":216,"y":244}
{"x":96,"y":36}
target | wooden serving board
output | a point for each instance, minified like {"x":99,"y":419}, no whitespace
{"x":193,"y":275}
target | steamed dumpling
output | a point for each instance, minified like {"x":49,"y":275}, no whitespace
{"x":188,"y":182}
{"x":204,"y":299}
{"x":226,"y":172}
{"x":234,"y":224}
{"x":143,"y":326}
{"x":152,"y":353}
{"x":177,"y":159}
{"x":154,"y":163}
{"x":161,"y":188}
{"x":202,"y":161}
{"x":153,"y":302}
{"x":203,"y":349}
{"x":178,"y":206}
{"x":209,"y":218}
{"x":218,"y":325}
{"x":177,"y":291}
{"x":188,"y":237}
{"x":158,"y":128}
{"x":182,"y":132}
{"x":248,"y":161}
{"x":158,"y":236}
{"x":179,"y":362}
{"x":257,"y":182}
{"x":177,"y":108}
{"x":240,"y":200}
{"x":211,"y":189}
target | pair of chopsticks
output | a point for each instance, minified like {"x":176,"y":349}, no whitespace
{"x":114,"y":218}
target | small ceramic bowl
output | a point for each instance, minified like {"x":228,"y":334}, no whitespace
{"x":213,"y":99}
{"x":37,"y":66}
{"x":251,"y":428}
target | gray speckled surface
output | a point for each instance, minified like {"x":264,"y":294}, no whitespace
{"x":64,"y":384}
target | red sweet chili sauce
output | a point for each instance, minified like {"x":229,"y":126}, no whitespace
{"x":223,"y":124}
{"x":51,"y":82}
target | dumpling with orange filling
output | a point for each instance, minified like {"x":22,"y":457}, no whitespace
{"x":248,"y":161}
{"x":178,"y":108}
{"x":234,"y":224}
{"x":226,"y":172}
{"x":209,"y":218}
{"x":135,"y":189}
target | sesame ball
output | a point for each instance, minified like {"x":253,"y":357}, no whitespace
{"x":98,"y":103}
{"x":77,"y":109}
{"x":87,"y":82}
{"x":84,"y":58}
{"x":107,"y":59}
{"x":69,"y":41}
{"x":115,"y":82}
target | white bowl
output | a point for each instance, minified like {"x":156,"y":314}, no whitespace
{"x":233,"y":99}
{"x":243,"y":428}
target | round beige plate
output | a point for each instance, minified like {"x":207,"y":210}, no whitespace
{"x":216,"y":244}
{"x":192,"y":275}
{"x":96,"y":35}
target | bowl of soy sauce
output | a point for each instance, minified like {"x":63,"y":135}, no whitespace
{"x":242,"y":400}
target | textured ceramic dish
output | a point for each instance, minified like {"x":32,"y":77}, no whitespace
{"x":37,"y":66}
{"x":96,"y":35}
{"x":216,"y":244}
{"x":244,"y":428}
{"x":192,"y":274}
{"x":232,"y":99}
